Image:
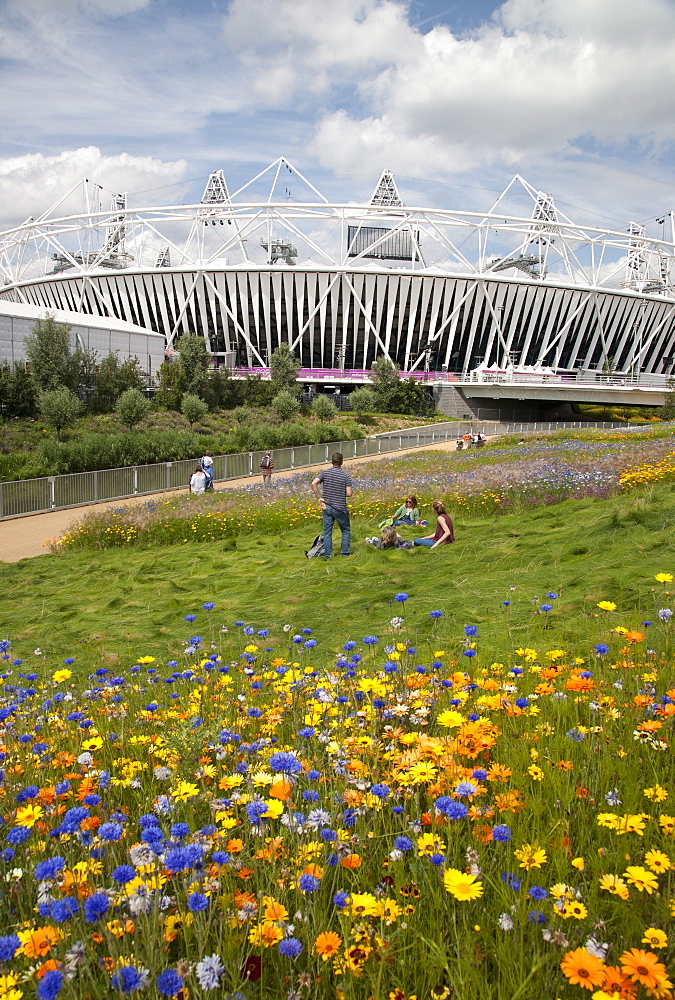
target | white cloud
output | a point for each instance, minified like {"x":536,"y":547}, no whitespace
{"x":544,"y":75}
{"x":30,"y":185}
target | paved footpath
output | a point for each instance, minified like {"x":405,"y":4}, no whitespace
{"x":25,"y":537}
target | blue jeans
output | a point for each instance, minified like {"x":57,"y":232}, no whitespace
{"x":330,"y":516}
{"x":424,"y":541}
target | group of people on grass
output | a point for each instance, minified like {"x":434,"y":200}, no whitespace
{"x":332,"y":488}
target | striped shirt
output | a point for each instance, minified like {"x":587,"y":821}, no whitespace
{"x":334,"y":483}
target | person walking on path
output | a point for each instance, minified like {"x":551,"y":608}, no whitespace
{"x":207,"y":468}
{"x":444,"y":533}
{"x":267,"y":467}
{"x":336,"y":486}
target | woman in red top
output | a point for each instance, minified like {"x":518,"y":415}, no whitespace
{"x":444,"y":533}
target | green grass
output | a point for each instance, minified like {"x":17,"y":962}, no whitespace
{"x":585,"y":550}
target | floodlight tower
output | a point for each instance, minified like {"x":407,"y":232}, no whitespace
{"x":386,"y":192}
{"x":214,"y":198}
{"x":116,"y":233}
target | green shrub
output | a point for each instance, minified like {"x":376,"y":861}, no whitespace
{"x":193,"y":408}
{"x":285,"y":405}
{"x":324,"y":409}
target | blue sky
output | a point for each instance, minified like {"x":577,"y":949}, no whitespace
{"x":150,"y":95}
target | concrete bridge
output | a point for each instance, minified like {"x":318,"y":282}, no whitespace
{"x":517,"y":394}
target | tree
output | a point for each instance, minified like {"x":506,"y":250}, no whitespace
{"x":284,"y":368}
{"x":112,"y":379}
{"x":170,"y":390}
{"x":324,"y":409}
{"x":668,"y":408}
{"x":80,"y":374}
{"x":193,"y":408}
{"x":409,"y":397}
{"x":47,"y":348}
{"x":132,"y":407}
{"x":194,"y":362}
{"x":285,"y":405}
{"x":363,"y":401}
{"x":385,"y":384}
{"x":17,"y":392}
{"x":59,"y":408}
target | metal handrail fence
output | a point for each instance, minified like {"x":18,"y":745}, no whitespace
{"x":35,"y":496}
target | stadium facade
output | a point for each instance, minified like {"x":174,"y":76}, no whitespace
{"x":432,"y":289}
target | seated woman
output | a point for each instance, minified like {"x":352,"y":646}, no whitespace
{"x":444,"y":533}
{"x":198,"y":481}
{"x":389,"y":539}
{"x":408,"y":513}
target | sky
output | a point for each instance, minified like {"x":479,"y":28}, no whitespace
{"x":455,"y":96}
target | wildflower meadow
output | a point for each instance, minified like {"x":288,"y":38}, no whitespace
{"x":230,"y":772}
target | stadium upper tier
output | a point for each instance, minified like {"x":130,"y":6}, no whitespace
{"x":343,"y":283}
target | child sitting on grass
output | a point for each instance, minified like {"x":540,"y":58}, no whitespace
{"x":389,"y":539}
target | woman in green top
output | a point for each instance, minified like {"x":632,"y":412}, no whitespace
{"x":408,"y":512}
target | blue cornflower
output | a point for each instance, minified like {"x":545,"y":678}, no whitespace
{"x":465,"y":788}
{"x":63,"y":909}
{"x":50,"y":985}
{"x":546,"y":607}
{"x":290,"y":947}
{"x":169,"y":983}
{"x":601,"y":649}
{"x":469,"y":652}
{"x":340,"y":899}
{"x":123,"y":874}
{"x":255,"y":811}
{"x":96,"y":906}
{"x":285,"y":763}
{"x":49,"y":868}
{"x":380,"y":791}
{"x":208,"y":605}
{"x":111,"y":831}
{"x":575,"y":735}
{"x":437,"y":859}
{"x":72,"y":819}
{"x":179,"y":830}
{"x":448,"y":807}
{"x":313,"y":774}
{"x":310,"y":795}
{"x":522,"y":702}
{"x":310,"y":644}
{"x":552,"y":595}
{"x":30,"y":791}
{"x":479,"y":774}
{"x":308,"y":883}
{"x":197,"y":902}
{"x":9,"y":945}
{"x":537,"y":892}
{"x":436,"y":614}
{"x":209,"y":971}
{"x":401,"y":598}
{"x":403,"y":844}
{"x":471,"y":630}
{"x":254,"y":713}
{"x":220,"y":857}
{"x":536,"y":917}
{"x":190,"y":618}
{"x":306,"y":732}
{"x":501,"y":833}
{"x":91,"y":800}
{"x":370,"y":640}
{"x":18,"y":835}
{"x":127,"y":979}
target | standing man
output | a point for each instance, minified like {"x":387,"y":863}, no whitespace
{"x":266,"y":467}
{"x":336,"y":486}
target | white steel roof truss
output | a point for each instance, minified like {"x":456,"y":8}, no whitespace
{"x":582,"y":327}
{"x":452,"y":319}
{"x":242,"y":330}
{"x":313,"y":307}
{"x":277,"y":291}
{"x":558,"y":338}
{"x":366,"y":315}
{"x":325,"y":285}
{"x":670,"y":310}
{"x":289,"y":284}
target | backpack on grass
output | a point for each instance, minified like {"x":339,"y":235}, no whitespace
{"x":316,"y":549}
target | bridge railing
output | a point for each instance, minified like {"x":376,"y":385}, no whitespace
{"x":35,"y":496}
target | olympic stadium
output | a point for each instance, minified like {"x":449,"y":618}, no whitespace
{"x":446,"y":293}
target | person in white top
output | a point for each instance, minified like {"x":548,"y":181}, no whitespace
{"x":198,"y":481}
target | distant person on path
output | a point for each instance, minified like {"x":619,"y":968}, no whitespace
{"x":444,"y":533}
{"x":389,"y":539}
{"x":267,"y":468}
{"x":336,"y":486}
{"x":207,"y":468}
{"x":198,"y":481}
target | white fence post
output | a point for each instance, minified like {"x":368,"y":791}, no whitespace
{"x":250,"y":463}
{"x":292,"y":458}
{"x":135,"y":480}
{"x":52,"y":502}
{"x":168,"y":475}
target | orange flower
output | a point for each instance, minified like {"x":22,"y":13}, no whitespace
{"x":48,"y":966}
{"x":351,"y":861}
{"x":583,"y":969}
{"x":616,"y":982}
{"x":38,"y":943}
{"x":327,"y":944}
{"x":643,"y":967}
{"x":281,"y":790}
{"x":635,"y":636}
